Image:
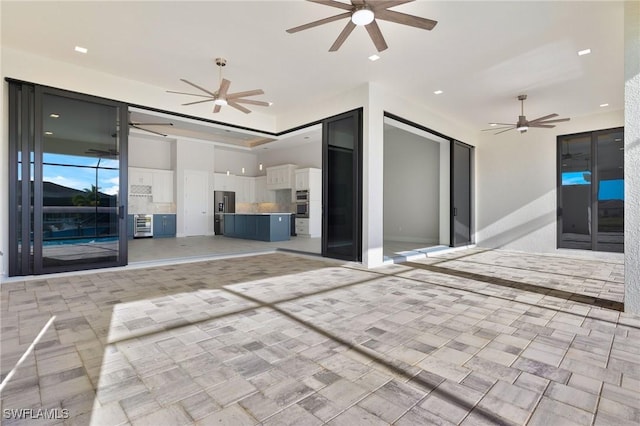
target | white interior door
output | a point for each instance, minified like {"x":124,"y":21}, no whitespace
{"x":196,"y":202}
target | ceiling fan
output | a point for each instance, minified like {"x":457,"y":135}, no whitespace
{"x":220,"y":97}
{"x":137,"y":125}
{"x":523,"y":124}
{"x":365,"y":13}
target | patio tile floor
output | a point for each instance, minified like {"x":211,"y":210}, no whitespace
{"x":469,"y":337}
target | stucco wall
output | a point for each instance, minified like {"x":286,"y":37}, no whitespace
{"x":632,"y":156}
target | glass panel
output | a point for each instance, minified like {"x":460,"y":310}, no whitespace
{"x":461,"y":194}
{"x":340,"y":194}
{"x":80,"y":172}
{"x":610,"y":163}
{"x":576,"y":192}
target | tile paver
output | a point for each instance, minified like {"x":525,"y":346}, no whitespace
{"x":458,"y":338}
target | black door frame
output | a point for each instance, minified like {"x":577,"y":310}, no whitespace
{"x":26,"y":137}
{"x":453,"y":211}
{"x":594,"y":205}
{"x":356,"y":116}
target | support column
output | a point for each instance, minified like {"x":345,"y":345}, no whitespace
{"x":632,"y":156}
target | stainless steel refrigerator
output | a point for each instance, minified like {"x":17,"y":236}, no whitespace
{"x":225,"y":202}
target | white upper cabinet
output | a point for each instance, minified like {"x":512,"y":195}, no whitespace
{"x":245,"y":189}
{"x":310,"y":179}
{"x":281,"y":177}
{"x":263,"y":195}
{"x":162,"y":185}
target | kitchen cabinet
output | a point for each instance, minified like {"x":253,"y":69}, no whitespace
{"x":310,"y":179}
{"x":246,"y":189}
{"x":164,"y":225}
{"x":260,"y":226}
{"x":162,"y":186}
{"x":224,"y":182}
{"x":262,"y":194}
{"x":311,"y":226}
{"x":140,"y":176}
{"x":281,"y":177}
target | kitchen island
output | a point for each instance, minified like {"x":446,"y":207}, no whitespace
{"x":258,"y":226}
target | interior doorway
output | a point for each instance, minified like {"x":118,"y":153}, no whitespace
{"x":196,"y":201}
{"x":416,"y":190}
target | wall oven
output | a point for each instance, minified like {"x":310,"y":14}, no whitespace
{"x":142,"y":226}
{"x":302,"y":196}
{"x":302,"y":209}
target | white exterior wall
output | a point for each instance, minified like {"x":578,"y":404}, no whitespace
{"x":516,"y":201}
{"x":632,"y":157}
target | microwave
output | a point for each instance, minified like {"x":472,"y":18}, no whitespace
{"x":302,"y":196}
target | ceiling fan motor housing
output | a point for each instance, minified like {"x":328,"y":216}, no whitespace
{"x":523,"y":124}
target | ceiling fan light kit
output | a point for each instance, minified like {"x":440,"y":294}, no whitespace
{"x":522,"y":125}
{"x":363,"y":16}
{"x":221,"y":97}
{"x":366,"y":13}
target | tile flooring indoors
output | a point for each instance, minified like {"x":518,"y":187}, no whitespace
{"x":472,"y":337}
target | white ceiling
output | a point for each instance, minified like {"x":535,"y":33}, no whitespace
{"x":481,"y":54}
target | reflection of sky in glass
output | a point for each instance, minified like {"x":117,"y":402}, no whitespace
{"x":81,"y":178}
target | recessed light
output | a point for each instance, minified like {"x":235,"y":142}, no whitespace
{"x":584,"y":52}
{"x":270,"y":103}
{"x":604,"y":105}
{"x":438,"y":92}
{"x":54,"y":115}
{"x":492,"y":124}
{"x":81,"y":49}
{"x":374,"y":58}
{"x":48,"y":133}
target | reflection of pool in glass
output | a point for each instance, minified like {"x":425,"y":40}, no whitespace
{"x":79,"y":241}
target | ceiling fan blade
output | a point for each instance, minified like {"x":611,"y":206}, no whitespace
{"x":343,"y":36}
{"x":376,"y":36}
{"x":217,"y":108}
{"x":224,"y":86}
{"x":496,"y":128}
{"x":251,"y":101}
{"x":198,"y":87}
{"x":558,"y":120}
{"x":237,"y":95}
{"x":238,"y":106}
{"x":147,"y":130}
{"x":510,"y":128}
{"x":375,"y":6}
{"x":543,"y":118}
{"x":199,"y":102}
{"x":333,"y":3}
{"x":357,"y":2}
{"x":151,"y":124}
{"x":503,"y":124}
{"x":319,"y":22}
{"x":185,"y":93}
{"x":546,"y":126}
{"x":405,"y":19}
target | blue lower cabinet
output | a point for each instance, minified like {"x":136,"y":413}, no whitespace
{"x":164,"y":225}
{"x":262,"y":227}
{"x":130,"y":227}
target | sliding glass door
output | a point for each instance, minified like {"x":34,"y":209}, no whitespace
{"x":342,"y":186}
{"x":591,"y":191}
{"x":68,"y":205}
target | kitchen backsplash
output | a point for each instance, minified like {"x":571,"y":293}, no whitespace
{"x":264,"y":208}
{"x":145,"y":205}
